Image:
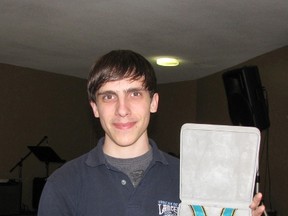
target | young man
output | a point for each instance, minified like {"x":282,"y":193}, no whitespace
{"x":125,"y":174}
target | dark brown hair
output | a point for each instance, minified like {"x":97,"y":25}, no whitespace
{"x":117,"y":65}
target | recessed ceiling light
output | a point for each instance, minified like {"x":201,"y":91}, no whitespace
{"x":167,"y":61}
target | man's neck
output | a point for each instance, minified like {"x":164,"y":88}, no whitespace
{"x":130,"y":151}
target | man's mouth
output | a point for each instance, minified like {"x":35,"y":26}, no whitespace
{"x":124,"y":126}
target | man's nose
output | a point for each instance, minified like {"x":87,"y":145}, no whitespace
{"x":123,"y":107}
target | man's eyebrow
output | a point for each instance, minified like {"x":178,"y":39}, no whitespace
{"x":135,"y":89}
{"x":125,"y":90}
{"x":105,"y":92}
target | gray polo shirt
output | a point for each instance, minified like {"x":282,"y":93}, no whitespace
{"x":89,"y":186}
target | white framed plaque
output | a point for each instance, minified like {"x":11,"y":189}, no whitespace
{"x":218,"y":166}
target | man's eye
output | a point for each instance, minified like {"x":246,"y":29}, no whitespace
{"x":108,"y":97}
{"x":136,"y":94}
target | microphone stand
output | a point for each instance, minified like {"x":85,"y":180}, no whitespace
{"x":20,"y":163}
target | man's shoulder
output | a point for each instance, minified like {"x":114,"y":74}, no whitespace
{"x":172,"y":162}
{"x":69,"y":170}
{"x":172,"y":158}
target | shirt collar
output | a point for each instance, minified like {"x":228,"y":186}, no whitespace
{"x":96,"y":156}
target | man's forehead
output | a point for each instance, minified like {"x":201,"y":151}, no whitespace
{"x":122,"y":85}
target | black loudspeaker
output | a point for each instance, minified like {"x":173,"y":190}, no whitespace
{"x":246,"y":101}
{"x":38,"y":185}
{"x":10,"y":198}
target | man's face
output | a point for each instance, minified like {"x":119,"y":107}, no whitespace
{"x":124,"y":108}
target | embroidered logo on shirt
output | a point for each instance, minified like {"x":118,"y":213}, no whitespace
{"x":167,"y":208}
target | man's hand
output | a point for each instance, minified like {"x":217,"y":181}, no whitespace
{"x":257,"y":209}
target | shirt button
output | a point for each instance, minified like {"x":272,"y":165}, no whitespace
{"x":123,"y":182}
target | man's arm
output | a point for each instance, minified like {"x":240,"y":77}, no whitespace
{"x":53,"y":202}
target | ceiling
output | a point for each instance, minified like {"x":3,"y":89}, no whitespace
{"x":207,"y":36}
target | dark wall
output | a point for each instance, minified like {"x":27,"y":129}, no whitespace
{"x":176,"y":107}
{"x":35,"y":104}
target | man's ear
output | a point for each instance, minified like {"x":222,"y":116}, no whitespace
{"x":95,"y":109}
{"x":154,"y":103}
